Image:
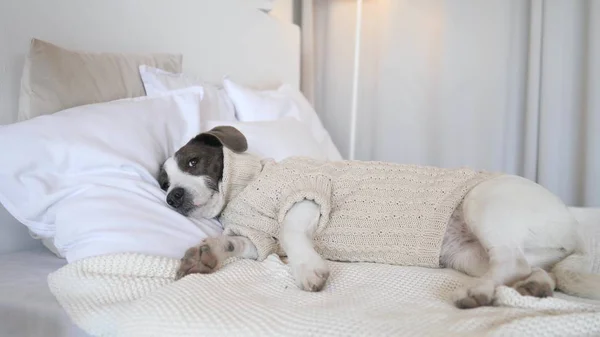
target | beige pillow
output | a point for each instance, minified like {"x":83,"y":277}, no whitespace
{"x":55,"y":78}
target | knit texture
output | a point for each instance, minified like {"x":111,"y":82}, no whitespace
{"x":135,"y":295}
{"x":370,"y":211}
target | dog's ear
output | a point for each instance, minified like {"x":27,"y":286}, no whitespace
{"x":227,"y":136}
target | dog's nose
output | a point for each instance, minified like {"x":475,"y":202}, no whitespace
{"x":175,"y":197}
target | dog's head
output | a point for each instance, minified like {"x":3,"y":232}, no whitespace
{"x":192,"y":176}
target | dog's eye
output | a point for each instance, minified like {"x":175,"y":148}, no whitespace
{"x":164,"y":186}
{"x":193,"y":162}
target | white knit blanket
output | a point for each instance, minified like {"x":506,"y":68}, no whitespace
{"x":135,"y":295}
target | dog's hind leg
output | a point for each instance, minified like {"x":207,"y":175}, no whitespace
{"x":299,"y":225}
{"x":507,"y":266}
{"x":501,"y":227}
{"x":538,"y":284}
{"x":523,"y":228}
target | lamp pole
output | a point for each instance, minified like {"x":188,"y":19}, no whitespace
{"x":356,"y":70}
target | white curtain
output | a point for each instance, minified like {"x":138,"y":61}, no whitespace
{"x":569,"y":123}
{"x":506,"y":85}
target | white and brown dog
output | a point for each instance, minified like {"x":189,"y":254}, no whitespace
{"x":507,"y":231}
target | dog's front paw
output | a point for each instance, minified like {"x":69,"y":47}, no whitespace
{"x":201,"y":259}
{"x":311,"y":276}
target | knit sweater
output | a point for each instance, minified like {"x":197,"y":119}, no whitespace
{"x":370,"y":211}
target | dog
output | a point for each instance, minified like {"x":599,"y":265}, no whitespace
{"x":506,"y":231}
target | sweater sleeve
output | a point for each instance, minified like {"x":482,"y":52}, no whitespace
{"x":310,"y":187}
{"x":264,"y":243}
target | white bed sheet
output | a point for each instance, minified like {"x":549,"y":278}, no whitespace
{"x":27,"y":308}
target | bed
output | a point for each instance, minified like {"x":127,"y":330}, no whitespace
{"x":27,"y":308}
{"x":271,"y":50}
{"x":362,"y":300}
{"x":26,"y":274}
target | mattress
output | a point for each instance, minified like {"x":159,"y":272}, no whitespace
{"x":27,"y":308}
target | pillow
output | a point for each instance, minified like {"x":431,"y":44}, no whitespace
{"x":86,"y":176}
{"x":215,"y":104}
{"x":55,"y":78}
{"x":268,"y":105}
{"x":277,"y":139}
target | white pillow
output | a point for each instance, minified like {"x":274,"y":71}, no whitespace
{"x":277,"y":139}
{"x":267,"y":105}
{"x":215,"y":104}
{"x":85,"y":176}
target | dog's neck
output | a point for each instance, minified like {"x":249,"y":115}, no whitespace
{"x":239,"y":170}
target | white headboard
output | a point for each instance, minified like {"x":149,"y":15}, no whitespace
{"x":216,"y":37}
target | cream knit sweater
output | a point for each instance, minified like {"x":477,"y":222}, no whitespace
{"x":370,"y":211}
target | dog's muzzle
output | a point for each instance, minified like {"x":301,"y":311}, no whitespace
{"x":175,"y":197}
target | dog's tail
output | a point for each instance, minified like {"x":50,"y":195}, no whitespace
{"x":575,"y":274}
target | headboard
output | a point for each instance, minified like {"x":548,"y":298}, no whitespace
{"x":216,"y":37}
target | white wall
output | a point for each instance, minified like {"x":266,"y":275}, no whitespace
{"x":283,"y":10}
